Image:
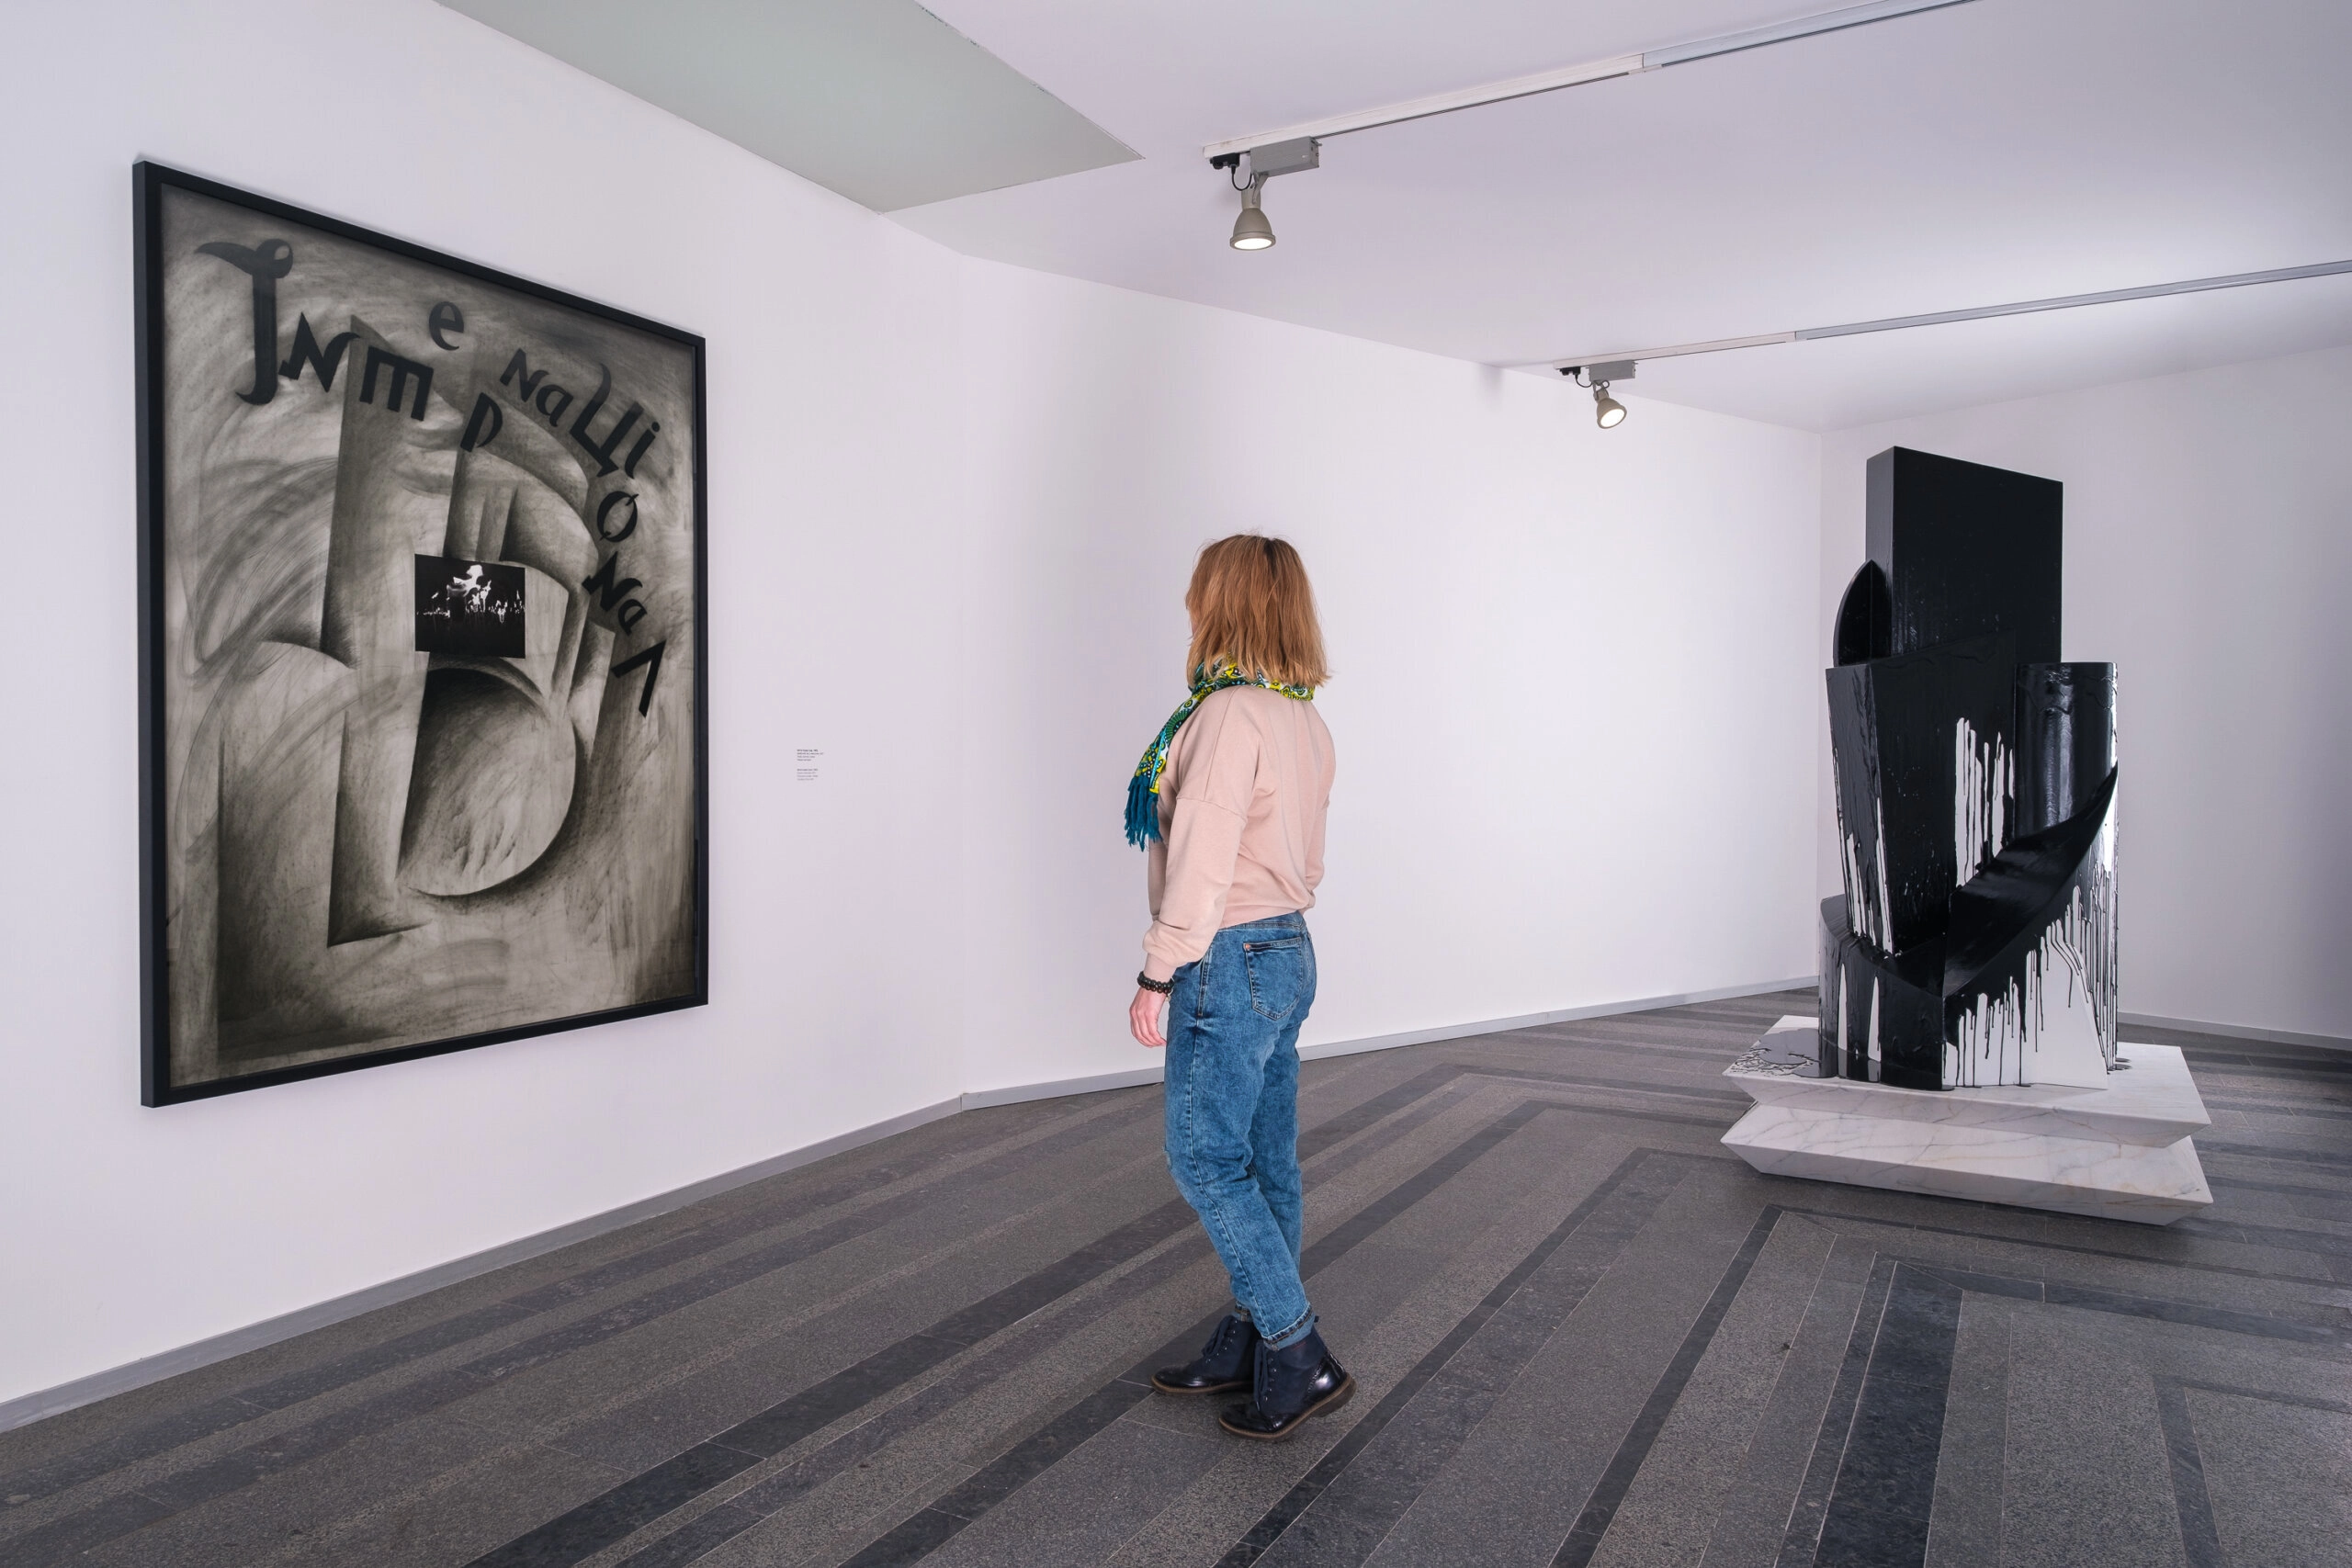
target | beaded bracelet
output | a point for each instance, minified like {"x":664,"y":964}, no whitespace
{"x":1148,"y":984}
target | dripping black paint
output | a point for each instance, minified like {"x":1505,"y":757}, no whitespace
{"x":1976,"y":780}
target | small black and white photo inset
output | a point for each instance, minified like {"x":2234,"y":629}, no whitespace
{"x":469,"y":606}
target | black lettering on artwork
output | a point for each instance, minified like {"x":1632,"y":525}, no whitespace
{"x":264,"y":263}
{"x":518,"y":365}
{"x":604,"y":512}
{"x":603,"y":450}
{"x":562,"y":395}
{"x":484,"y":424}
{"x":652,"y":660}
{"x":609,"y":592}
{"x":403,"y":371}
{"x":445,"y":317}
{"x":628,"y":621}
{"x":323,"y":362}
{"x":652,"y":429}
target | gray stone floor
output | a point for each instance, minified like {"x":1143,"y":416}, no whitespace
{"x":1583,"y":1334}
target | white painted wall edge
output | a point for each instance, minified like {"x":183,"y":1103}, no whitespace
{"x":2236,"y":1032}
{"x":81,"y":1390}
{"x":1013,"y":1094}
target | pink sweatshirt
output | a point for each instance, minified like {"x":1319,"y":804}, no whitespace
{"x":1241,"y":809}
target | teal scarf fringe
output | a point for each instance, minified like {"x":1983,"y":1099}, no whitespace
{"x":1143,"y":788}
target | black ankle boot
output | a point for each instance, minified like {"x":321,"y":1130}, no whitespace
{"x":1291,"y":1384}
{"x":1223,"y":1365}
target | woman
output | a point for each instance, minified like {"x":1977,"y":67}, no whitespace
{"x":1229,"y":802}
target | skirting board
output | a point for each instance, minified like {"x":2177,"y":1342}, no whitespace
{"x":2234,"y":1031}
{"x":29,"y":1407}
{"x":1013,"y":1094}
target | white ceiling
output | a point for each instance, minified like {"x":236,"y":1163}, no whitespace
{"x":1995,"y":151}
{"x":1990,"y":152}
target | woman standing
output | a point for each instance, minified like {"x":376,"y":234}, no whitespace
{"x":1228,"y":801}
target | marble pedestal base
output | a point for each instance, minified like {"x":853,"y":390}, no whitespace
{"x":2122,"y":1152}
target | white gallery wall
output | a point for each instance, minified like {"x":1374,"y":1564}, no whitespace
{"x":951,"y":509}
{"x":2208,"y":555}
{"x":834,"y":606}
{"x":1574,"y":667}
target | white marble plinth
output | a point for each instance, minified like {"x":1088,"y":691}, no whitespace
{"x":2122,"y":1152}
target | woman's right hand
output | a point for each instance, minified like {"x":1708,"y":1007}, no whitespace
{"x":1143,"y":1018}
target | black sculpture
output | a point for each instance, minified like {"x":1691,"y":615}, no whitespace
{"x":1975,"y":941}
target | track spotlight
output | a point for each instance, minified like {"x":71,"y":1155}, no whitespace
{"x":1607,"y":411}
{"x":1250,"y":231}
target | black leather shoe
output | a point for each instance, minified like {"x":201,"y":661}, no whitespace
{"x":1223,"y":1365}
{"x":1291,"y":1385}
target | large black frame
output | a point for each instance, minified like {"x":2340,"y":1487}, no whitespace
{"x":150,"y":182}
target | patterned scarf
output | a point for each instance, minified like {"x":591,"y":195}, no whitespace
{"x":1143,"y":789}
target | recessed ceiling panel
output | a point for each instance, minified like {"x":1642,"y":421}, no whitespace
{"x":877,"y":99}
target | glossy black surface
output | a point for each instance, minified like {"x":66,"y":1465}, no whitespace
{"x":1967,"y":551}
{"x":1867,"y":995}
{"x":1887,"y":1019}
{"x":1975,"y":787}
{"x":1290,"y":1387}
{"x":1892,"y":725}
{"x":1865,"y":617}
{"x":2020,"y":892}
{"x":1222,"y":1367}
{"x":2066,"y":738}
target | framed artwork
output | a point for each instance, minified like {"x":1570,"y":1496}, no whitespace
{"x":423,"y":746}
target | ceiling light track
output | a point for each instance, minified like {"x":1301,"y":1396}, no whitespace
{"x":1578,"y":76}
{"x":1942,"y":318}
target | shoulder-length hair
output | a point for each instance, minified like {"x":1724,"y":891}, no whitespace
{"x":1251,"y":606}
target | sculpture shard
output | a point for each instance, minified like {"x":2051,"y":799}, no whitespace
{"x":1966,"y":551}
{"x":1924,"y":766}
{"x":1866,"y":618}
{"x":1976,"y":785}
{"x":1882,"y":1017}
{"x":2029,"y":971}
{"x":2065,"y":721}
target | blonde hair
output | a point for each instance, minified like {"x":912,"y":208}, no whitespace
{"x":1251,"y":606}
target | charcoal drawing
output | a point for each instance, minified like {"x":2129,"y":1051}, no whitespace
{"x":422,"y":581}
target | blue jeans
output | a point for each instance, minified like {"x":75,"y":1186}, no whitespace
{"x":1233,"y":1109}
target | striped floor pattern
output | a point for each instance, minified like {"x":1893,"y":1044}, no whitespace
{"x":1582,"y":1334}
